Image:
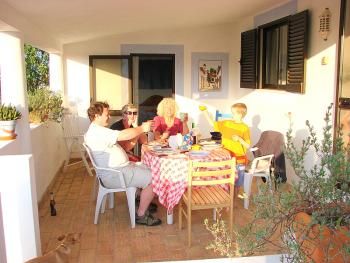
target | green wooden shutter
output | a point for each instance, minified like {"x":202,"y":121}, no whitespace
{"x":297,"y":51}
{"x":249,"y":59}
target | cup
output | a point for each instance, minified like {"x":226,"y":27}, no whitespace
{"x":183,"y":116}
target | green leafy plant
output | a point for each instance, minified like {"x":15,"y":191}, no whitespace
{"x":44,"y":104}
{"x":321,"y":192}
{"x":9,"y":112}
{"x":37,"y":67}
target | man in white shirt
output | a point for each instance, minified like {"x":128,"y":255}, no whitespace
{"x":108,"y":153}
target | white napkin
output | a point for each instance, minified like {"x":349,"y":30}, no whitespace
{"x":175,"y":141}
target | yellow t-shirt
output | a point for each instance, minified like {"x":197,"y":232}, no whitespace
{"x":228,"y":128}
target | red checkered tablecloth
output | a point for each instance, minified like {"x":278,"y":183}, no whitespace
{"x":170,"y":173}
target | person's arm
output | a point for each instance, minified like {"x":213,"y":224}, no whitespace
{"x":157,"y":128}
{"x":185,"y":128}
{"x":245,"y":140}
{"x":209,"y":119}
{"x":131,"y":133}
{"x":143,"y":138}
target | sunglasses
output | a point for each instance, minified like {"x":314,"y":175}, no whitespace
{"x":131,"y":112}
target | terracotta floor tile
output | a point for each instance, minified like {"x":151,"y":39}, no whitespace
{"x":113,"y":239}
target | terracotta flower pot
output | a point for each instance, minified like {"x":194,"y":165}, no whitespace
{"x":7,"y":130}
{"x":321,"y":243}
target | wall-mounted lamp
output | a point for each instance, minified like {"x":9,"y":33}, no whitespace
{"x":325,"y":20}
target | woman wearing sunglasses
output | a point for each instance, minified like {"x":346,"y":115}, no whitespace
{"x":166,"y":124}
{"x":129,"y":120}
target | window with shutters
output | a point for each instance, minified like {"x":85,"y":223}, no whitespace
{"x":282,"y":45}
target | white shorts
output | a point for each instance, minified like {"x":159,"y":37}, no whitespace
{"x":135,"y":174}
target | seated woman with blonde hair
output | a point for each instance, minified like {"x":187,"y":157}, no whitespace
{"x":166,"y":123}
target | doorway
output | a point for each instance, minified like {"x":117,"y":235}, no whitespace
{"x":153,"y":78}
{"x":141,"y":79}
{"x":343,"y":89}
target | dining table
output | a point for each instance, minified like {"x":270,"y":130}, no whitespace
{"x":169,"y":170}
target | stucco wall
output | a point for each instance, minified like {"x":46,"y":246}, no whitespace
{"x":49,"y":153}
{"x":267,"y":109}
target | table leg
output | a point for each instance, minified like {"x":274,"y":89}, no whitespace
{"x":170,"y":218}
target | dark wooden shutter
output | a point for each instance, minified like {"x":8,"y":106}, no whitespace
{"x":249,"y":59}
{"x":297,"y":51}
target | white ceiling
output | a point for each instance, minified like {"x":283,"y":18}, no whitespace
{"x":76,"y":20}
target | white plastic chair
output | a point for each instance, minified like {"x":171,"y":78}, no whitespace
{"x":260,"y":168}
{"x":73,"y":139}
{"x":103,"y":191}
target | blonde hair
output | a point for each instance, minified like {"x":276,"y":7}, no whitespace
{"x":240,"y":107}
{"x":166,"y":103}
{"x":128,"y":107}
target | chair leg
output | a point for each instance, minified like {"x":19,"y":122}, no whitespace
{"x":189,"y":221}
{"x":66,"y":161}
{"x":100,"y":198}
{"x":83,"y":157}
{"x":247,"y":188}
{"x":111,"y":200}
{"x":214,"y":214}
{"x":130,"y":195}
{"x":180,"y":214}
{"x":104,"y":200}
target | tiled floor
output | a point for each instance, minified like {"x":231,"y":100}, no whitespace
{"x":112,"y":239}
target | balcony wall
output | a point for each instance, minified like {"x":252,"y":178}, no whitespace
{"x":48,"y":151}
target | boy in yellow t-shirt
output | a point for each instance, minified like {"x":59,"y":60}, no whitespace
{"x":235,"y":136}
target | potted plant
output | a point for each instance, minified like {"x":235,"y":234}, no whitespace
{"x":8,"y":116}
{"x":308,"y":222}
{"x":44,"y":104}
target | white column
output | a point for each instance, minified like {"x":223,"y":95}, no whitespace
{"x":56,"y":73}
{"x":19,"y":208}
{"x":13,"y":83}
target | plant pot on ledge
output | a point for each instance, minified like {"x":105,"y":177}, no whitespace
{"x":8,"y":117}
{"x":7,"y":130}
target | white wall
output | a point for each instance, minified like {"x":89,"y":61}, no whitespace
{"x":267,"y":109}
{"x":49,"y":152}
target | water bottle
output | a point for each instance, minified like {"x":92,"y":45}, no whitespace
{"x":194,"y":134}
{"x":52,"y":205}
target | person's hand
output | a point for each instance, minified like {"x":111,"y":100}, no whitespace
{"x":146,"y":126}
{"x":185,"y":118}
{"x":236,"y":138}
{"x":165,"y":135}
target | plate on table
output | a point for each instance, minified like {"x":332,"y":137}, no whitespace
{"x":198,"y":153}
{"x":155,"y":145}
{"x":209,"y":147}
{"x":165,"y":151}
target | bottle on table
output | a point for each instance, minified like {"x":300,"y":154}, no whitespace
{"x":194,"y":134}
{"x":52,"y":205}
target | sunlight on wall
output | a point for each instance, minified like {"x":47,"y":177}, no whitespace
{"x":77,"y":87}
{"x":56,"y":72}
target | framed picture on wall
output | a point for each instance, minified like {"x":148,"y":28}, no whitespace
{"x":209,"y":75}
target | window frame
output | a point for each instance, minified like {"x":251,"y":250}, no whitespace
{"x":262,"y":33}
{"x":297,"y":44}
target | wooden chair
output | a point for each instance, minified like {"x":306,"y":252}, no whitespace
{"x":210,"y":195}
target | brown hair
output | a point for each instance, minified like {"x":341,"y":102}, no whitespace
{"x":96,"y":108}
{"x":240,"y":107}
